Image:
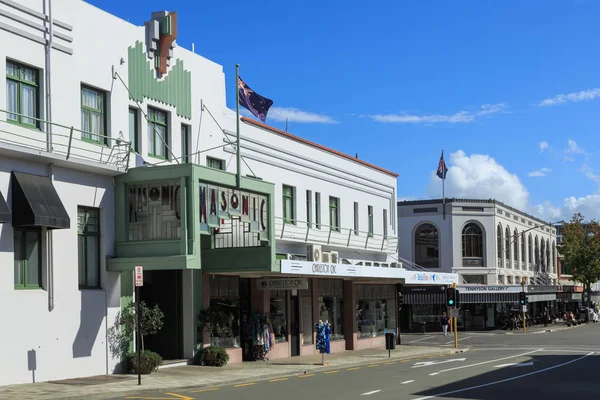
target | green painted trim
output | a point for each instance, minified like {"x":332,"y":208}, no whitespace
{"x":153,"y":263}
{"x":175,"y":89}
{"x":127,"y":296}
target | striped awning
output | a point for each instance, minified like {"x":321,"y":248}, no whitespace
{"x":425,"y":298}
{"x":489,"y":298}
{"x":541,"y":297}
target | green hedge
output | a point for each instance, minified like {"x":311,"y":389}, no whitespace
{"x":212,"y":356}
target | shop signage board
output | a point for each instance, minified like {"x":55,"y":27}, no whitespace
{"x":282,"y":284}
{"x":422,"y":289}
{"x":490,"y":289}
{"x":361,"y":271}
{"x":139,"y":276}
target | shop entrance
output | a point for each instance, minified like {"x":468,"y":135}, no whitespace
{"x":163,"y":288}
{"x":294,"y":326}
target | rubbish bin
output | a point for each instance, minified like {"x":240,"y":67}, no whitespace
{"x":423,"y":327}
{"x":390,"y":342}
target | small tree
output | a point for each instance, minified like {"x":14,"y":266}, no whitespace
{"x":214,"y":320}
{"x":151,"y":320}
{"x":581,"y":249}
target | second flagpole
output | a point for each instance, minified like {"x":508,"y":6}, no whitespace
{"x":443,"y":186}
{"x":237,"y":127}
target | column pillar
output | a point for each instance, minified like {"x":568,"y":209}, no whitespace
{"x":350,"y":326}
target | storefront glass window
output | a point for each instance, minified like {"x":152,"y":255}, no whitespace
{"x":375,"y":309}
{"x":224,"y":296}
{"x":307,"y":314}
{"x":429,"y":313}
{"x":278,"y":315}
{"x":331,"y":306}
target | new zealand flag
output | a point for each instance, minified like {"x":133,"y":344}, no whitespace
{"x":442,"y":169}
{"x":253,"y":102}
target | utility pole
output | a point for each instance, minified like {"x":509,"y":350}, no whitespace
{"x":454,"y":323}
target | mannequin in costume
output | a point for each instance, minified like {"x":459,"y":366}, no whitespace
{"x":323,"y":337}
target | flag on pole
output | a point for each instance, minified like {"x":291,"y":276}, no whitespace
{"x":442,"y":170}
{"x":253,"y":102}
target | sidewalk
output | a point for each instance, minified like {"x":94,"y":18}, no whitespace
{"x":104,"y":387}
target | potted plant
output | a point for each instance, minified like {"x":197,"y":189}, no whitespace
{"x":215,"y":321}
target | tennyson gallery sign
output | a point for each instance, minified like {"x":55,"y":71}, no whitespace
{"x":218,"y":203}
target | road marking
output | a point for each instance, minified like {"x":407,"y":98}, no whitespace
{"x":390,"y":363}
{"x":434,"y":373}
{"x":370,"y":393}
{"x":405,"y":382}
{"x":523,"y":364}
{"x":429,"y":363}
{"x":506,"y":380}
{"x":278,"y":380}
{"x":332,"y":372}
{"x":246,"y":384}
{"x":372,"y":366}
{"x":305,"y":376}
{"x":353,"y":369}
{"x":162,"y":398}
{"x":490,"y":361}
{"x":418,"y":340}
{"x":465,"y":338}
{"x":204,"y":390}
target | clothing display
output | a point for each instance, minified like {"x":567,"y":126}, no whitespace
{"x":323,"y":337}
{"x":262,"y":336}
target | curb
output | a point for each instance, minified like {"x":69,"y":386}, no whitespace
{"x":262,"y":378}
{"x":562,"y":328}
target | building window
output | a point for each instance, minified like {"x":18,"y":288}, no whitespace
{"x":501,"y":279}
{"x":385,"y":223}
{"x":355,"y":218}
{"x":531,"y":259}
{"x":134,"y":129}
{"x":472,"y":245}
{"x":28,"y":259}
{"x":309,"y":208}
{"x":155,"y":211}
{"x":225,"y":297}
{"x":548,"y":259}
{"x":507,"y":244}
{"x":22,"y":95}
{"x":93,"y":115}
{"x":289,"y":211}
{"x":186,"y":143}
{"x":427,"y":246}
{"x":215,"y":163}
{"x":516,"y":246}
{"x":537,"y":253}
{"x":88,"y":230}
{"x":523,"y":249}
{"x":278,"y":315}
{"x":307,"y":313}
{"x":499,"y":243}
{"x":553,"y":257}
{"x":318,"y":210}
{"x":331,"y":305}
{"x":474,"y":279}
{"x":334,"y":214}
{"x":375,"y":310}
{"x":370,"y":214}
{"x":158,"y":133}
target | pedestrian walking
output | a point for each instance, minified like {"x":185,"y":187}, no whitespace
{"x":445,"y":323}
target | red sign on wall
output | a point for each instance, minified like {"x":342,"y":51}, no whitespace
{"x":139,"y":276}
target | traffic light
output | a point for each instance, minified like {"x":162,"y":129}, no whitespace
{"x":522,"y":298}
{"x":457,"y":299}
{"x":451,"y":297}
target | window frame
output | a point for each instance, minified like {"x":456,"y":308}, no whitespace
{"x":20,"y":81}
{"x":469,"y":244}
{"x":210,"y":160}
{"x":318,"y":210}
{"x":152,"y":146}
{"x":419,"y":239}
{"x":371,"y":224}
{"x":334,"y":209}
{"x":86,"y":235}
{"x":135,"y":140}
{"x":385,"y":223}
{"x":309,"y":208}
{"x":102,"y":136}
{"x":186,"y":143}
{"x":25,"y":285}
{"x":291,"y":219}
{"x":356,"y":222}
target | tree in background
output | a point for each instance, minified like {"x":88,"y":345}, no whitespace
{"x":151,"y":320}
{"x":581,"y":250}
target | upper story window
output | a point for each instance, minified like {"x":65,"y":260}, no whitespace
{"x":309,"y":208}
{"x":334,"y":213}
{"x":22,"y":94}
{"x":355,"y":218}
{"x":158,"y":133}
{"x":472,"y":241}
{"x":385,"y":223}
{"x":289,"y":212}
{"x":516,"y":246}
{"x":507,"y":243}
{"x":370,"y":214}
{"x":93,"y":115}
{"x":186,"y":143}
{"x":88,"y":230}
{"x":215,"y":163}
{"x":318,"y":210}
{"x":134,"y":129}
{"x":523,"y":247}
{"x":530,"y":244}
{"x":427,"y":246}
{"x":499,"y":241}
{"x":28,"y":258}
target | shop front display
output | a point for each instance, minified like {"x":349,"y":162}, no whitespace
{"x":331,"y":305}
{"x":375,"y":310}
{"x":306,"y":306}
{"x":278,"y":314}
{"x":224,"y":297}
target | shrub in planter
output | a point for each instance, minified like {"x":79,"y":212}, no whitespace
{"x":150,"y":361}
{"x":211,"y":356}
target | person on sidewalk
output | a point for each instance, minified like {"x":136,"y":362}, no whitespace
{"x":445,"y":323}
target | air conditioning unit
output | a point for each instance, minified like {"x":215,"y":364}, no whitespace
{"x":327,"y":257}
{"x":335,"y":256}
{"x":313,"y":253}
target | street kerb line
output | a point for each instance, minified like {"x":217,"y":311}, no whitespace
{"x":490,"y":361}
{"x":506,"y":380}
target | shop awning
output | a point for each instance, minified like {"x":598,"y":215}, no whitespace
{"x":541,"y":297}
{"x":4,"y":211}
{"x":36,"y":203}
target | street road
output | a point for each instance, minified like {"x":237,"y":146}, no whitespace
{"x":559,"y":365}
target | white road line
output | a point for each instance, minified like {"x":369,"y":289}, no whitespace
{"x":418,"y":340}
{"x":405,"y":382}
{"x":506,"y":380}
{"x":452,"y":341}
{"x":490,"y":361}
{"x":546,"y":349}
{"x":523,"y":364}
{"x":434,"y":373}
{"x":370,"y":393}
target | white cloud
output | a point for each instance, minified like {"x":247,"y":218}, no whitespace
{"x":574,"y":97}
{"x":295,"y":115}
{"x":539,"y":172}
{"x":459,"y":117}
{"x":573,"y":148}
{"x":480,"y":176}
{"x":544,"y":146}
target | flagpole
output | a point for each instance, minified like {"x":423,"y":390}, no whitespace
{"x":443,"y":186}
{"x":237,"y":122}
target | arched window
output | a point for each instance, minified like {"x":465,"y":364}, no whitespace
{"x":543,"y":255}
{"x":537,"y":252}
{"x":427,"y":246}
{"x":507,"y":243}
{"x":472,"y":243}
{"x":523,"y":249}
{"x":553,"y":257}
{"x":499,"y":240}
{"x":516,"y":246}
{"x":548,"y":259}
{"x":531,"y":259}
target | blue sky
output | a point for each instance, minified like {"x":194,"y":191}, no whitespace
{"x":398,"y":81}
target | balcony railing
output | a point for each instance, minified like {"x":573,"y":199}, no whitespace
{"x":301,"y":231}
{"x":67,"y":141}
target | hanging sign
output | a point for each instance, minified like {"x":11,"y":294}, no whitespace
{"x":139,"y":276}
{"x":282,"y":283}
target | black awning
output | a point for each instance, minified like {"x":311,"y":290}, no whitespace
{"x":36,"y":203}
{"x":4,"y":211}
